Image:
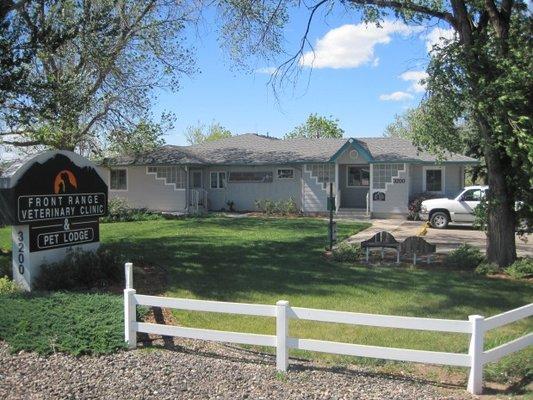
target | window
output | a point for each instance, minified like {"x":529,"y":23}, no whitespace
{"x":358,"y":176}
{"x":384,"y":173}
{"x":471,"y":195}
{"x":285,"y":173}
{"x":433,"y":179}
{"x":324,"y":173}
{"x":118,"y":179}
{"x":251,"y":176}
{"x":218,"y":180}
{"x":170,"y":173}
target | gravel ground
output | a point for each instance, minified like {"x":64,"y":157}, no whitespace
{"x":195,"y":370}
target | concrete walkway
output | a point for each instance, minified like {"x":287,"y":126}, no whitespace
{"x":445,"y":239}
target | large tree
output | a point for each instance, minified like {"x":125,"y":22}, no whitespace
{"x":200,"y":133}
{"x":484,"y":76}
{"x":77,"y":70}
{"x":317,"y":126}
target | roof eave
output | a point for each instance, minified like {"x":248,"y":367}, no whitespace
{"x":352,"y":143}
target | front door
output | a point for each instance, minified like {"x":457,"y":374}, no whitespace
{"x":196,"y":179}
{"x":354,"y":183}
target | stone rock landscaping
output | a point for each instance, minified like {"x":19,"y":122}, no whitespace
{"x":196,"y":370}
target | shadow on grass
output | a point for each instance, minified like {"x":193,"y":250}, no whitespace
{"x":212,"y":267}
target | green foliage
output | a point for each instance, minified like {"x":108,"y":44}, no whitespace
{"x":269,"y":259}
{"x":6,"y":268}
{"x":83,"y":270}
{"x":88,"y":68}
{"x":480,"y":215}
{"x":119,"y":210}
{"x":521,"y":269}
{"x":279,"y":207}
{"x":8,"y":287}
{"x":402,"y":125}
{"x":200,"y":133}
{"x":486,"y":268}
{"x":317,"y":127}
{"x":415,"y":204}
{"x":142,"y":137}
{"x":465,"y":257}
{"x":231,"y":205}
{"x":347,"y":252}
{"x":75,"y":323}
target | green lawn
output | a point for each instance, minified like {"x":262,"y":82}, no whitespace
{"x":260,"y":260}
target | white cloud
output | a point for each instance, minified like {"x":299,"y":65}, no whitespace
{"x":438,"y":36}
{"x":266,"y":70}
{"x":350,"y":45}
{"x":415,"y":77}
{"x":396,"y":96}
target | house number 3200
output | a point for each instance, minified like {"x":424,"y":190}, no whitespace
{"x":398,"y":180}
{"x":20,"y":255}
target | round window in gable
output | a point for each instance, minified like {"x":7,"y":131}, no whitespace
{"x":353,"y":154}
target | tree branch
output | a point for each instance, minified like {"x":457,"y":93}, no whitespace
{"x":407,"y":5}
{"x":23,"y":144}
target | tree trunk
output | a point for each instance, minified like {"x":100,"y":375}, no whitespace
{"x":501,"y":245}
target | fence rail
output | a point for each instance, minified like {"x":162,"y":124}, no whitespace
{"x":476,"y":326}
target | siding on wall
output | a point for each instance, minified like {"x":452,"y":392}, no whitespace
{"x":145,"y":191}
{"x":453,"y":179}
{"x":314,"y":196}
{"x":245,"y":194}
{"x":396,"y":197}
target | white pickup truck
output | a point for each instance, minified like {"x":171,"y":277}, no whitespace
{"x":440,"y":212}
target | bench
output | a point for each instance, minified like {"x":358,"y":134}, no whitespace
{"x":381,"y":240}
{"x":416,"y":246}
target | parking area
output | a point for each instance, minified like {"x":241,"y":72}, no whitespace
{"x":445,"y":239}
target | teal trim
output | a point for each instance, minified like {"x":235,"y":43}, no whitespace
{"x":354,"y":144}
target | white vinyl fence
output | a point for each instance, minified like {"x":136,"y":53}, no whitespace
{"x":476,"y":326}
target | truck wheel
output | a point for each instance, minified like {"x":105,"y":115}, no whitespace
{"x":439,"y":220}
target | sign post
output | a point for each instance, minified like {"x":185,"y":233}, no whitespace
{"x":53,"y":202}
{"x":332,"y":231}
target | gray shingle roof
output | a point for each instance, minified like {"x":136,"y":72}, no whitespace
{"x":249,"y":149}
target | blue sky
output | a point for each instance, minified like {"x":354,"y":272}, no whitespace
{"x":361,"y":76}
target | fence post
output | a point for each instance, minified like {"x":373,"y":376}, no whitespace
{"x":282,"y":334}
{"x":130,"y":316}
{"x":475,"y":351}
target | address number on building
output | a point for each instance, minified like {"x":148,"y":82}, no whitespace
{"x":398,"y":180}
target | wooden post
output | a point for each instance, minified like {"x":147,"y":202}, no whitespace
{"x":130,"y":311}
{"x":282,"y":334}
{"x":475,"y":351}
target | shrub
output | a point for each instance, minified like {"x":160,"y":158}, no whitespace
{"x":8,"y":287}
{"x":6,"y":269}
{"x":415,"y":203}
{"x":521,"y":269}
{"x":119,"y":210}
{"x":486,"y":268}
{"x":347,"y":252}
{"x":480,"y":215}
{"x":280,"y":207}
{"x":75,"y":323}
{"x":231,"y":205}
{"x":465,"y":257}
{"x":82,"y":270}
